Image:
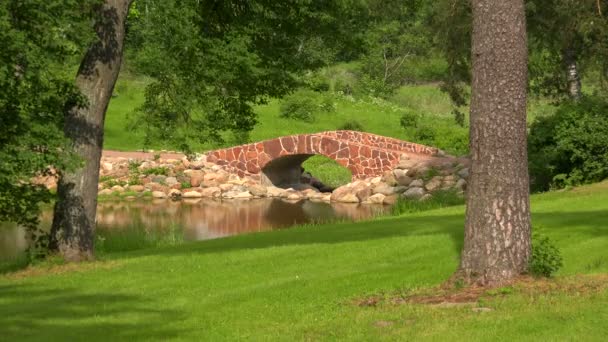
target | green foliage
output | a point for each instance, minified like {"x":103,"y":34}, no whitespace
{"x":113,"y":182}
{"x":210,"y":62}
{"x":409,"y":119}
{"x":134,"y":166}
{"x":439,"y":199}
{"x":569,"y":147}
{"x":352,"y":125}
{"x":38,"y":38}
{"x":186,"y":185}
{"x":546,"y":258}
{"x":304,"y":105}
{"x":327,"y":170}
{"x":159,"y":171}
{"x":135,"y":180}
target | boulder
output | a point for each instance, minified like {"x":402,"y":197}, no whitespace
{"x":107,"y":166}
{"x":159,"y":179}
{"x":340,"y":192}
{"x":364,"y":194}
{"x":433,"y":184}
{"x":391,"y":199}
{"x":418,"y":183}
{"x":414,"y":193}
{"x":273,"y":191}
{"x":402,"y":177}
{"x":175,"y":194}
{"x":243,"y":195}
{"x":171,"y":181}
{"x":105,"y":192}
{"x":258,"y":190}
{"x":384,"y":189}
{"x":294,"y":196}
{"x":159,"y":194}
{"x":389,"y":178}
{"x":226,"y":187}
{"x":464,"y":173}
{"x":192,"y":194}
{"x":461,"y":184}
{"x":211,"y":192}
{"x":376,"y":199}
{"x":136,"y":188}
{"x":196,"y":177}
{"x":348,"y":198}
{"x":117,"y":188}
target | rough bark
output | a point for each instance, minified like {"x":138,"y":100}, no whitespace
{"x":572,"y":75}
{"x":73,"y":230}
{"x":497,"y":229}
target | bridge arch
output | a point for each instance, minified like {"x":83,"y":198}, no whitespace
{"x":280,"y":159}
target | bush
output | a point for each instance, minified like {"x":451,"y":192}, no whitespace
{"x":317,"y":82}
{"x":546,"y":258}
{"x":409,"y":118}
{"x":570,"y":147}
{"x":300,"y":105}
{"x":425,"y":135}
{"x":303,"y":105}
{"x":352,"y":125}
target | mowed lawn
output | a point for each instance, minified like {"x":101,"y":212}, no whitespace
{"x":305,"y":283}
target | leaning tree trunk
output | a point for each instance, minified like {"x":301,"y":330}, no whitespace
{"x":497,"y":228}
{"x":73,"y":230}
{"x":573,"y":78}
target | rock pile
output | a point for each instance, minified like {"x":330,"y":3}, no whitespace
{"x":415,"y":179}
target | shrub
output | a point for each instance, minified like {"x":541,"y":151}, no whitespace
{"x":409,"y":118}
{"x":317,"y":82}
{"x":425,"y":135}
{"x":186,"y":185}
{"x":352,"y":125}
{"x":161,"y":171}
{"x":135,"y":180}
{"x":300,"y":105}
{"x":546,"y":258}
{"x":570,"y":147}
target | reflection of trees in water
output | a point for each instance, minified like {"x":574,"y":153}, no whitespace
{"x":201,"y":219}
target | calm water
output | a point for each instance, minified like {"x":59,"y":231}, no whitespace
{"x":198,"y":219}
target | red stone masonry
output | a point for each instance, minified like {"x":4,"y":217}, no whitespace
{"x":365,"y":154}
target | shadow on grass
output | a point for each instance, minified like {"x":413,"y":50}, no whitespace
{"x":587,"y":223}
{"x":28,"y":312}
{"x":330,"y":233}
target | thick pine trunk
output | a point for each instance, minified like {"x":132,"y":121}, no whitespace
{"x":497,"y":229}
{"x":73,"y":230}
{"x":572,"y":75}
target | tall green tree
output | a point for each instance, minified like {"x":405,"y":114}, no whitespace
{"x":497,"y":229}
{"x":39,"y":39}
{"x":73,"y":230}
{"x":211,"y":61}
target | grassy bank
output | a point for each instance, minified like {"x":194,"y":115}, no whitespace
{"x":306,"y":284}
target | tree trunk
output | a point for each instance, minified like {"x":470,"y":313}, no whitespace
{"x":572,"y":75}
{"x":497,"y":228}
{"x":73,"y":230}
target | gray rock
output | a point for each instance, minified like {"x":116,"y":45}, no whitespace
{"x":418,"y":183}
{"x":159,"y":179}
{"x":414,"y":193}
{"x":461,"y":184}
{"x":464,"y":173}
{"x":171,"y":180}
{"x":433,"y":184}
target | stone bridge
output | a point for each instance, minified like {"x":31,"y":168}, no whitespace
{"x":278,"y":161}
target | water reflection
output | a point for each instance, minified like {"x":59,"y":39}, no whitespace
{"x":202,"y":219}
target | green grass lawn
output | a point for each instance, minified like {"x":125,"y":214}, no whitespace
{"x":301,"y":284}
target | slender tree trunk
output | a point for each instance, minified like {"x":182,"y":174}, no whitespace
{"x":497,"y":229}
{"x":73,"y":230}
{"x":572,"y":75}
